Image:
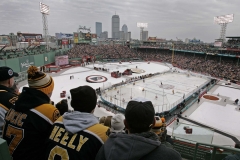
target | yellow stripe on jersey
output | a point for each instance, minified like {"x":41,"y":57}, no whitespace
{"x":49,"y":111}
{"x":4,"y":107}
{"x":59,"y":120}
{"x":99,"y":130}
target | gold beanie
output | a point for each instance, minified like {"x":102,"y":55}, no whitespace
{"x":40,"y":80}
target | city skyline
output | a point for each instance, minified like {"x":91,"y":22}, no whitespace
{"x":166,"y":19}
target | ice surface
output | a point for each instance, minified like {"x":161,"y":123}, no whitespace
{"x":225,"y":118}
{"x":232,"y":93}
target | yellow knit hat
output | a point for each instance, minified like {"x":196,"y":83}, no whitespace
{"x":40,"y":80}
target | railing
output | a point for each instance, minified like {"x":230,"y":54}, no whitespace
{"x":214,"y":149}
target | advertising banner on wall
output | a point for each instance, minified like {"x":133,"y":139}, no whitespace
{"x":94,"y":38}
{"x":61,"y":60}
{"x":64,"y":41}
{"x":64,"y":35}
{"x":5,"y":40}
{"x":26,"y":62}
{"x":26,"y":37}
{"x":217,"y":44}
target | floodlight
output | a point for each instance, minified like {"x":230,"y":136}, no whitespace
{"x":144,"y":25}
{"x":44,"y":8}
{"x":224,"y":19}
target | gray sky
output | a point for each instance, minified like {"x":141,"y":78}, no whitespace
{"x":167,"y":18}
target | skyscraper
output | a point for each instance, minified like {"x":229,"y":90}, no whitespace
{"x":104,"y":35}
{"x":115,"y":26}
{"x":125,"y":28}
{"x":145,"y":35}
{"x":98,"y":28}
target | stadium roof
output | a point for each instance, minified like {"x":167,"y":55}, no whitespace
{"x":233,"y":37}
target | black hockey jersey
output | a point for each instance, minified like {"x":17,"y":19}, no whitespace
{"x":28,"y":125}
{"x":81,"y":145}
{"x":7,"y":101}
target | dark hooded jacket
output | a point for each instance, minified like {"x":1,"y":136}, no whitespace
{"x":7,"y":101}
{"x":30,"y":119}
{"x":144,"y":146}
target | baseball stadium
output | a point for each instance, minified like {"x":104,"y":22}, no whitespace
{"x":69,"y":95}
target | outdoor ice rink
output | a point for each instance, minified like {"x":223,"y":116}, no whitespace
{"x":161,"y":96}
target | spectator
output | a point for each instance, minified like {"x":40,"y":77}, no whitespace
{"x":107,"y":121}
{"x":139,"y":143}
{"x":31,"y":118}
{"x":15,"y":89}
{"x":234,"y":156}
{"x":62,"y":106}
{"x":7,"y":95}
{"x":117,"y":124}
{"x":77,"y":134}
{"x":102,"y":120}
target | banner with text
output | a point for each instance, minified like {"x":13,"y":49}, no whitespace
{"x":26,"y":62}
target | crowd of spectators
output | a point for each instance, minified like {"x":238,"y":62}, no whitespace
{"x":209,"y":65}
{"x":232,"y":43}
{"x":105,"y":51}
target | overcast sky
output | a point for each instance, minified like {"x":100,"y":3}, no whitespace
{"x":166,"y":18}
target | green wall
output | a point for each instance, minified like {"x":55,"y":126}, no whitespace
{"x":2,"y":63}
{"x":14,"y":64}
{"x":22,"y":63}
{"x":38,"y":60}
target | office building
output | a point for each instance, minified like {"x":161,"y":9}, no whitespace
{"x":144,"y":35}
{"x":104,"y":35}
{"x":125,"y":28}
{"x":98,"y":28}
{"x":115,"y":26}
{"x":121,"y":35}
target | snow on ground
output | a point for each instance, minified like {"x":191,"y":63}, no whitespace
{"x":199,"y":134}
{"x":232,"y":93}
{"x":63,"y":82}
{"x":220,"y":117}
{"x":74,"y":70}
{"x":149,"y":68}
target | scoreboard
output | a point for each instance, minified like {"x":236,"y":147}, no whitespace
{"x":82,"y":37}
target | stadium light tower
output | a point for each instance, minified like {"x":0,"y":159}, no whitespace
{"x":223,"y":21}
{"x":142,"y":26}
{"x":44,"y":9}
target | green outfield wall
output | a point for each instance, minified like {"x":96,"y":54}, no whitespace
{"x":21,"y":64}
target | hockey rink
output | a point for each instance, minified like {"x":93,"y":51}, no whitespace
{"x":164,"y":90}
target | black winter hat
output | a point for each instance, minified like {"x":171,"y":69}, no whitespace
{"x":6,"y":73}
{"x":62,"y":106}
{"x":139,"y":115}
{"x":84,"y":99}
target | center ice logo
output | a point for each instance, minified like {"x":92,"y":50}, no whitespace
{"x":96,"y":79}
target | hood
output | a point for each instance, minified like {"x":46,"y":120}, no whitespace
{"x":30,"y":98}
{"x":7,"y":89}
{"x":130,"y":146}
{"x":77,"y":121}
